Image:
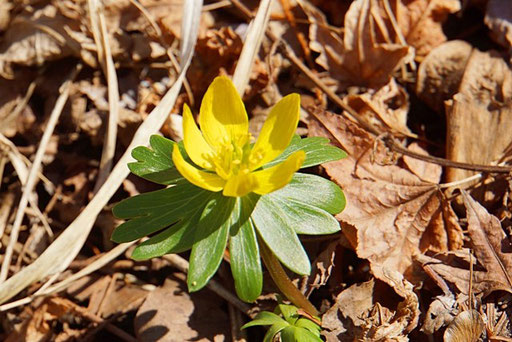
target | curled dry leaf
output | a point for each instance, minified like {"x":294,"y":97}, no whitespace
{"x":357,"y":314}
{"x":35,"y":37}
{"x":38,"y":324}
{"x":360,"y":58}
{"x":321,"y":270}
{"x":440,"y":73}
{"x":479,"y":119}
{"x":420,"y":22}
{"x":386,"y":109}
{"x":492,"y":249}
{"x":467,"y":326}
{"x":498,"y":17}
{"x":440,"y":313}
{"x":391,"y":213}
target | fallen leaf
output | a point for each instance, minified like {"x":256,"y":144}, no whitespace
{"x":479,"y":119}
{"x":40,"y":323}
{"x":439,"y":314}
{"x":421,"y":22}
{"x":171,"y":314}
{"x":440,"y":73}
{"x":122,"y":299}
{"x":390,"y":211}
{"x":321,"y":270}
{"x":360,"y":58}
{"x":386,"y":109}
{"x":467,"y":326}
{"x":490,"y":244}
{"x":498,"y":18}
{"x":493,"y":251}
{"x":35,"y":37}
{"x":427,"y":172}
{"x":357,"y":314}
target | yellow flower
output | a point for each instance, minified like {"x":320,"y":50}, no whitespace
{"x":223,"y":149}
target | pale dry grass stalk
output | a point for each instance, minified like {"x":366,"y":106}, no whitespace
{"x":101,"y":38}
{"x":32,"y":176}
{"x":64,"y":249}
{"x":251,"y":47}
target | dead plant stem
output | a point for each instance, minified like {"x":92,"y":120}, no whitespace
{"x":283,"y":283}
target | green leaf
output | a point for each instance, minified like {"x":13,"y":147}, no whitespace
{"x":318,"y":151}
{"x":176,"y":239}
{"x":155,"y":164}
{"x":309,"y":325}
{"x":153,"y":211}
{"x":274,"y":330}
{"x":304,"y":335}
{"x":315,"y":191}
{"x":279,"y":237}
{"x":304,"y":218}
{"x":211,"y":237}
{"x":288,"y":334}
{"x":265,"y":318}
{"x":245,"y":258}
{"x":289,"y":312}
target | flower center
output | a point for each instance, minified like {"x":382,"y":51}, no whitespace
{"x":234,"y":156}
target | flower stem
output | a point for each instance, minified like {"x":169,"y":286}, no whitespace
{"x":283,"y":283}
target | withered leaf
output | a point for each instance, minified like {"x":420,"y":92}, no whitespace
{"x":421,"y":21}
{"x":391,"y":214}
{"x":171,"y":314}
{"x":357,"y":314}
{"x":440,"y":73}
{"x":492,"y":249}
{"x":466,"y":327}
{"x":360,"y":58}
{"x":479,"y":119}
{"x":386,"y":108}
{"x":498,"y":17}
{"x":490,"y":244}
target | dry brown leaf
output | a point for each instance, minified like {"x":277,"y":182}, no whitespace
{"x":467,"y":326}
{"x":39,"y":324}
{"x":391,"y":213}
{"x":34,"y":38}
{"x":490,"y":244}
{"x":440,"y":313}
{"x":498,"y":17}
{"x":321,"y":269}
{"x":492,"y":249}
{"x":386,"y":109}
{"x":171,"y":314}
{"x":427,"y":172}
{"x":14,"y":115}
{"x":440,"y":73}
{"x":479,"y":119}
{"x":357,"y":314}
{"x":420,"y":21}
{"x":121,"y":300}
{"x":360,"y":58}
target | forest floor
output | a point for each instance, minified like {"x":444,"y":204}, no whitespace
{"x":417,"y":92}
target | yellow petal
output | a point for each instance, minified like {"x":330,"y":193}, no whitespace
{"x":240,"y":185}
{"x":222,"y":114}
{"x":277,"y":131}
{"x":195,"y":145}
{"x":277,"y":176}
{"x":202,"y":179}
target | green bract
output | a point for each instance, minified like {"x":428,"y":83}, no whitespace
{"x":184,"y":216}
{"x":291,"y":327}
